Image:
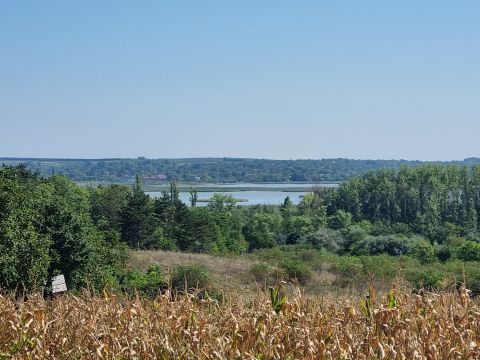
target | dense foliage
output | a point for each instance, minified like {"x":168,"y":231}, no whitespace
{"x":435,"y":201}
{"x":46,"y":229}
{"x":211,"y":169}
{"x":426,"y":217}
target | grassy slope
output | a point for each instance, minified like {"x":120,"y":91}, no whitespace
{"x":234,"y":272}
{"x":227,"y":271}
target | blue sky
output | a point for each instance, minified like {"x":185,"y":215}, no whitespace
{"x":271,"y":79}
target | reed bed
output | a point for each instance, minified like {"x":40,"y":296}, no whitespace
{"x":395,"y":325}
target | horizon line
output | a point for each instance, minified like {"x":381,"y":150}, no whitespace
{"x":226,"y":158}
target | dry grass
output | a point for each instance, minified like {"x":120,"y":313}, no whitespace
{"x":234,"y":272}
{"x":228,"y":271}
{"x":427,"y":326}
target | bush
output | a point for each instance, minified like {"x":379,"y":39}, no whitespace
{"x":296,"y":270}
{"x":393,"y":245}
{"x":469,"y":251}
{"x":443,"y":253}
{"x":471,"y":271}
{"x":424,"y":252}
{"x":266,"y":274}
{"x":428,"y":279}
{"x":341,"y":220}
{"x":348,"y":269}
{"x":191,"y":278}
{"x":353,"y":235}
{"x":383,"y":266}
{"x":327,"y":239}
{"x":147,"y":284}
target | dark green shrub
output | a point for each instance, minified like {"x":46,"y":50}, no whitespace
{"x":340,"y":220}
{"x":471,"y":271}
{"x":427,"y":279}
{"x":443,"y":253}
{"x":265,"y":274}
{"x":191,"y":278}
{"x":402,"y":228}
{"x":469,"y":251}
{"x":146,"y":284}
{"x":382,"y":266}
{"x":327,"y":239}
{"x":424,"y":252}
{"x":347,"y":269}
{"x":393,"y":245}
{"x":296,"y":270}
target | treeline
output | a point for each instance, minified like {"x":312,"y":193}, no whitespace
{"x":50,"y":225}
{"x":211,"y":169}
{"x":431,"y":200}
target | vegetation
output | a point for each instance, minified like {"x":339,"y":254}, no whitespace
{"x":397,"y":324}
{"x":211,"y":169}
{"x":157,"y":278}
{"x":419,"y":223}
{"x":46,"y":229}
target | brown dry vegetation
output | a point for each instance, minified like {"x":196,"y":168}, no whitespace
{"x":224,"y":266}
{"x":228,"y":272}
{"x":404,"y":326}
{"x":234,"y":272}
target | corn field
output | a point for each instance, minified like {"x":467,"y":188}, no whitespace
{"x":394,"y":325}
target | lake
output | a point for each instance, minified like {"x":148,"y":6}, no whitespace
{"x":253,"y":197}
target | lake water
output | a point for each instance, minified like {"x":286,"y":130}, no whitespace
{"x":253,"y":197}
{"x":267,"y":185}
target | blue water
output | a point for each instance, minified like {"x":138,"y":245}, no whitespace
{"x":253,"y":197}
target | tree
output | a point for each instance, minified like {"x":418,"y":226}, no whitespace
{"x":312,"y":206}
{"x":138,"y":221}
{"x":174,"y":217}
{"x":193,"y":197}
{"x":287,"y":209}
{"x":341,"y":220}
{"x":79,"y":250}
{"x":24,"y":250}
{"x":221,"y":202}
{"x":424,"y":252}
{"x":469,"y":251}
{"x":107,"y":204}
{"x":263,"y":230}
{"x":46,"y":229}
{"x":297,"y":227}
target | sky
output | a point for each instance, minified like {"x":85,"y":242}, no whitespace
{"x":262,"y":79}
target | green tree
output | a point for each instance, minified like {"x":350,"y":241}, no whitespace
{"x":107,"y":204}
{"x":263,"y":230}
{"x":24,"y":250}
{"x":297,"y":227}
{"x":193,"y":197}
{"x":46,"y":229}
{"x":138,"y":220}
{"x":341,"y":220}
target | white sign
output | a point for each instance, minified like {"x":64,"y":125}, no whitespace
{"x":58,"y":284}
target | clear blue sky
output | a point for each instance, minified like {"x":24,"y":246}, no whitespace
{"x":273,"y":79}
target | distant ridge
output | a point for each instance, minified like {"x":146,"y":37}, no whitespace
{"x":214,"y":169}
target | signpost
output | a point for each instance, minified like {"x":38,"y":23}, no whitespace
{"x":58,"y":284}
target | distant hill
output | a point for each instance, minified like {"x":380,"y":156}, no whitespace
{"x":219,"y":170}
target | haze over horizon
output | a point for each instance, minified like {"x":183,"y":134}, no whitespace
{"x":274,"y":80}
